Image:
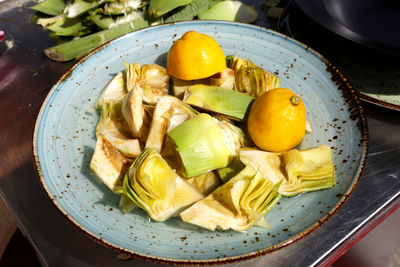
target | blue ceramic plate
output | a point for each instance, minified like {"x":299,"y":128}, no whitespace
{"x":64,"y":141}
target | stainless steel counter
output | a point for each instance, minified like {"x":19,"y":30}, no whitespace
{"x":26,"y":76}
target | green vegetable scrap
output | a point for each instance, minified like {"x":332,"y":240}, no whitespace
{"x":91,"y":23}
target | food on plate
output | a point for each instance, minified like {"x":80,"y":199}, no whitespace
{"x":219,"y":151}
{"x":277,"y":120}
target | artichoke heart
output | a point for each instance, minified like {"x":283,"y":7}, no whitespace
{"x":109,"y":164}
{"x":152,"y":185}
{"x":169,"y":113}
{"x":205,"y":183}
{"x":111,"y":123}
{"x":252,"y":79}
{"x":308,"y":170}
{"x":237,"y":204}
{"x":152,"y":80}
{"x":202,"y":145}
{"x":219,"y":100}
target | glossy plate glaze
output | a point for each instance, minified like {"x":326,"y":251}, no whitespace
{"x":64,"y":141}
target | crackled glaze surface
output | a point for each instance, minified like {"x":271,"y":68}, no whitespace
{"x":65,"y":138}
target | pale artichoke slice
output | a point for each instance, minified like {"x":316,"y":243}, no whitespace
{"x":205,"y":183}
{"x":152,"y":80}
{"x":169,"y":113}
{"x":136,"y":115}
{"x":308,"y":170}
{"x":237,"y":204}
{"x":109,"y":164}
{"x":252,"y":79}
{"x":114,"y":128}
{"x":152,"y":185}
{"x":114,"y":92}
{"x":268,"y":163}
{"x":224,"y":79}
{"x":180,"y":86}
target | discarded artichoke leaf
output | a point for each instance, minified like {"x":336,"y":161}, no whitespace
{"x":225,"y":79}
{"x":79,"y":7}
{"x":308,"y":170}
{"x":205,"y":183}
{"x":122,"y":7}
{"x":109,"y":164}
{"x":233,"y":104}
{"x":101,"y":20}
{"x":69,"y":27}
{"x":155,"y":187}
{"x":268,"y":163}
{"x":237,"y":204}
{"x":200,"y":145}
{"x":252,"y":79}
{"x":158,"y":8}
{"x":230,"y":11}
{"x":231,"y":170}
{"x":45,"y":22}
{"x":50,"y":7}
{"x":169,"y":113}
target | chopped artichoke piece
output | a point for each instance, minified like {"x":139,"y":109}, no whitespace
{"x":136,"y":115}
{"x":225,"y":79}
{"x":251,"y":79}
{"x":308,"y":170}
{"x":152,"y":80}
{"x":109,"y":164}
{"x":201,"y":145}
{"x":180,"y":86}
{"x":155,"y":187}
{"x":114,"y":92}
{"x":112,"y":124}
{"x":169,"y":113}
{"x":268,"y":163}
{"x":230,"y":11}
{"x":231,"y":170}
{"x":205,"y":183}
{"x":237,"y":204}
{"x":233,"y":104}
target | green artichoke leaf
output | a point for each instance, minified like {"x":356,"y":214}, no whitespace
{"x":155,"y":187}
{"x":230,"y":11}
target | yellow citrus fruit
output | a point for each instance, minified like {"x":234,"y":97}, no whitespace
{"x":277,"y":120}
{"x":195,"y":56}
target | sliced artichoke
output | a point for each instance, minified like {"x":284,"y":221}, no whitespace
{"x":109,"y":164}
{"x":230,"y":103}
{"x":237,"y":205}
{"x":268,"y":163}
{"x":205,"y":183}
{"x":308,"y":170}
{"x":180,"y":86}
{"x":225,"y":79}
{"x":252,"y":79}
{"x":169,"y":113}
{"x":152,"y":185}
{"x":152,"y":80}
{"x":203,"y":144}
{"x":111,"y":123}
{"x":231,"y":170}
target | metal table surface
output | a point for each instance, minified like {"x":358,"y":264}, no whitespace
{"x":26,"y":76}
